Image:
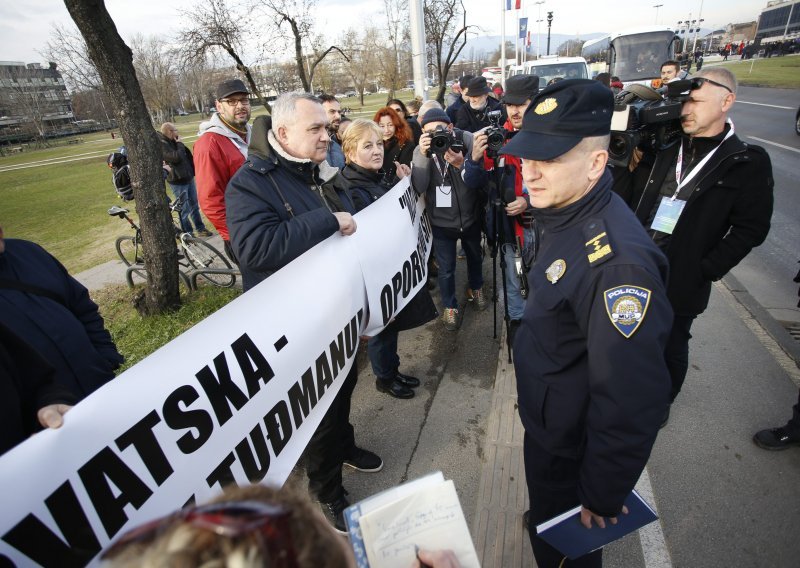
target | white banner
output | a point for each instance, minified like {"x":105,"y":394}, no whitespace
{"x":398,"y":228}
{"x":235,"y":398}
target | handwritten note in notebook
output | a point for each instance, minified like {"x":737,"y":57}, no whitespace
{"x":431,"y":519}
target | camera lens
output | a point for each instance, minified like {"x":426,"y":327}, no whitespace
{"x":618,"y":147}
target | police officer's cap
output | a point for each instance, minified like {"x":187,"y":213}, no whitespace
{"x":560,"y":116}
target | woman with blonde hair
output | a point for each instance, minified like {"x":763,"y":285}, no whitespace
{"x":363,"y":146}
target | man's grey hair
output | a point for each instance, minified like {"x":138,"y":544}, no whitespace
{"x":425,"y":107}
{"x":720,"y":75}
{"x":285,"y":106}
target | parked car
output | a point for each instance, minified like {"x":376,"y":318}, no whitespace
{"x":350,"y":94}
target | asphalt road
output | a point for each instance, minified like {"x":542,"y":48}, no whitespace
{"x":766,"y":117}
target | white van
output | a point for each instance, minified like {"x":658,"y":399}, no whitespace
{"x":549,"y":67}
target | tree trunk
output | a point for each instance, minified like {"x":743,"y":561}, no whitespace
{"x":114,"y":62}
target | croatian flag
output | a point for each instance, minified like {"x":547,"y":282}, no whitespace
{"x":523,"y":28}
{"x":513,"y":4}
{"x":528,"y":41}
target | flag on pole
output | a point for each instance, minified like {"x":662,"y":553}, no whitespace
{"x":528,"y":41}
{"x":513,"y":4}
{"x":523,"y":28}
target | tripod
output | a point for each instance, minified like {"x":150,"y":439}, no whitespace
{"x":497,"y":212}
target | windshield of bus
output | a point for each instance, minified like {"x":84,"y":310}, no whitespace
{"x":640,"y":56}
{"x":547,"y":73}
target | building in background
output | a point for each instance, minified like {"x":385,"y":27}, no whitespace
{"x":780,"y":20}
{"x":34,"y":102}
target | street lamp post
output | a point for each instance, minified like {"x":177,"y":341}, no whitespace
{"x":549,"y":24}
{"x":657,"y":6}
{"x":538,"y":27}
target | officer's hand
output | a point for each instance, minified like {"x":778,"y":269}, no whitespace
{"x":588,"y":516}
{"x":454,"y":158}
{"x":402,"y":170}
{"x":425,"y":144}
{"x":516,"y":207}
{"x":347,"y":225}
{"x":479,"y":145}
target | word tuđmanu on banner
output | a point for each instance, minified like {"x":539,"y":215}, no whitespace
{"x":234,"y":399}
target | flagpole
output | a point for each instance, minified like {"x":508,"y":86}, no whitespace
{"x":503,"y":41}
{"x":516,"y":41}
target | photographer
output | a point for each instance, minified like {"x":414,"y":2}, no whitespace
{"x":520,"y":89}
{"x":706,"y":201}
{"x":472,"y":116}
{"x":453,"y":208}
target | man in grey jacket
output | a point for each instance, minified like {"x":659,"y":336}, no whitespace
{"x":454,"y":209}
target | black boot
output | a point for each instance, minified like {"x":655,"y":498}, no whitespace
{"x":394,"y":388}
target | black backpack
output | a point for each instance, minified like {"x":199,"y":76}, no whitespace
{"x":121,"y":177}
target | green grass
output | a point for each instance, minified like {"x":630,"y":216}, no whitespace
{"x":63,"y":206}
{"x":136,"y":337}
{"x":779,"y":72}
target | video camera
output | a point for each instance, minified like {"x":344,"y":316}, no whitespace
{"x":443,"y":140}
{"x":495,"y":134}
{"x":645,"y":118}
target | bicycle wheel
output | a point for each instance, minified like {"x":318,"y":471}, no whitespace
{"x":202,"y":256}
{"x":129,"y":250}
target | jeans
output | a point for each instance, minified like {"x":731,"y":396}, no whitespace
{"x":676,"y":353}
{"x":515,"y":301}
{"x":444,"y":245}
{"x":382,"y":351}
{"x":187,"y":193}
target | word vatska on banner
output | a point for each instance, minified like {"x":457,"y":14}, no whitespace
{"x":235,"y":398}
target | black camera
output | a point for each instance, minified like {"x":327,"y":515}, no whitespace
{"x":442,"y":140}
{"x":645,"y":118}
{"x":495,"y":134}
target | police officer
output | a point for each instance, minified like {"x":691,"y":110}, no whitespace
{"x":589,"y":354}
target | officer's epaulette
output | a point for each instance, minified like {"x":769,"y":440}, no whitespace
{"x":598,"y":245}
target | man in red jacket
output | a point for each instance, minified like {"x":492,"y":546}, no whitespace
{"x":220,"y":151}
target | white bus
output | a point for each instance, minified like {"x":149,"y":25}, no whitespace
{"x":550,"y":67}
{"x":635,"y":56}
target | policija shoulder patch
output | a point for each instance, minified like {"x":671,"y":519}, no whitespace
{"x":626,"y":306}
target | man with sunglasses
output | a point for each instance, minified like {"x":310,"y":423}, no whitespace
{"x":706,"y":201}
{"x":220,"y":151}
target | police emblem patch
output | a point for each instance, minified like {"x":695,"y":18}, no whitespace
{"x":556,"y":270}
{"x":626,"y":307}
{"x":546,"y":106}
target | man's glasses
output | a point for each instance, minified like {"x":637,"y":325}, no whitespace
{"x":233,"y":520}
{"x":245,"y":102}
{"x":697,"y":82}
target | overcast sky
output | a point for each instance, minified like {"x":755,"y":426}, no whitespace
{"x":25,"y":24}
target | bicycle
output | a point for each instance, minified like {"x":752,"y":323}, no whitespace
{"x":195,"y":255}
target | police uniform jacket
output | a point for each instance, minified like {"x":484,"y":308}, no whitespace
{"x":589,"y":354}
{"x":727,"y":214}
{"x":278,"y":207}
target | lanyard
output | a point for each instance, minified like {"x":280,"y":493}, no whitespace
{"x":696,"y":170}
{"x":442,"y":170}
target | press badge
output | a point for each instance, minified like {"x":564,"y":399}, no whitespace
{"x":443,"y":196}
{"x":667,"y":215}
